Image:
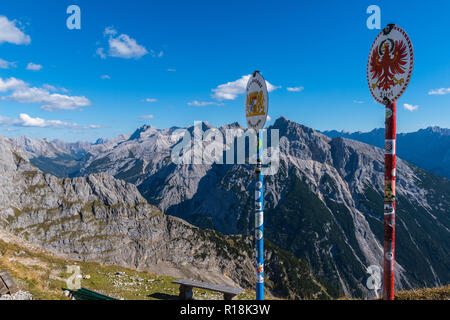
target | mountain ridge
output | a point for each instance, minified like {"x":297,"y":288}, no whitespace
{"x":103,"y":219}
{"x":343,"y":178}
{"x":427,"y":148}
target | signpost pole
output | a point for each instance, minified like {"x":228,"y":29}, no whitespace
{"x":389,"y":70}
{"x":256,"y":108}
{"x":259,"y":221}
{"x":389,"y":200}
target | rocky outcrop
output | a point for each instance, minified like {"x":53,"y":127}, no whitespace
{"x":100,"y":218}
{"x":324,"y":205}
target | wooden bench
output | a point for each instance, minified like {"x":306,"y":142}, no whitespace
{"x":7,"y":284}
{"x":186,"y":289}
{"x":86,"y":294}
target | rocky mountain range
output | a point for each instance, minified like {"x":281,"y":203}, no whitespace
{"x":324,"y":205}
{"x":427,"y":148}
{"x":100,"y":218}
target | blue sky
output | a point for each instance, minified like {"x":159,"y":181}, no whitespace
{"x":169,"y":63}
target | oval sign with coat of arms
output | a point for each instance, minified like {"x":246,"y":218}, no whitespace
{"x":390,"y":64}
{"x":256,"y":102}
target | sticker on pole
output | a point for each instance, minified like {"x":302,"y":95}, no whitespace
{"x":390,"y":64}
{"x":256,"y":102}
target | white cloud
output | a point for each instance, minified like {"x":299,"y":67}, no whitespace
{"x":11,"y":84}
{"x":358,"y":101}
{"x":269,"y":118}
{"x":295,"y":89}
{"x":110,"y":31}
{"x":125,"y":47}
{"x":203,"y":103}
{"x":34,"y":67}
{"x":230,"y":90}
{"x":156,"y":55}
{"x":49,"y":101}
{"x":101,"y":53}
{"x":10,"y":32}
{"x":410,"y":107}
{"x":49,"y":87}
{"x":440,"y":91}
{"x":171,"y":70}
{"x":21,"y":92}
{"x":151,"y":100}
{"x":147,"y":116}
{"x":25,"y":120}
{"x":122,"y":46}
{"x":106,"y":76}
{"x":6,"y":64}
{"x":6,"y":121}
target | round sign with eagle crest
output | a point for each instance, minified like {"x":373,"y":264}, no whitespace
{"x":256,"y":102}
{"x":390,"y":64}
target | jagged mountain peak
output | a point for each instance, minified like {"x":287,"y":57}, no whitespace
{"x":427,"y":148}
{"x":233,"y":125}
{"x":103,"y":219}
{"x":328,"y":192}
{"x":99,"y":141}
{"x":294,"y":130}
{"x":143,"y":131}
{"x":436,"y":130}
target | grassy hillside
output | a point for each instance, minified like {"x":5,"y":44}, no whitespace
{"x":440,"y":293}
{"x":43,"y":275}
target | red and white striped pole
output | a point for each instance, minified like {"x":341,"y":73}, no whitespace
{"x":389,"y":200}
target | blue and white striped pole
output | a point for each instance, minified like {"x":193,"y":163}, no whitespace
{"x":259,"y":222}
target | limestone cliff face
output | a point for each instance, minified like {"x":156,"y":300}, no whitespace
{"x":100,"y":218}
{"x":325,"y":204}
